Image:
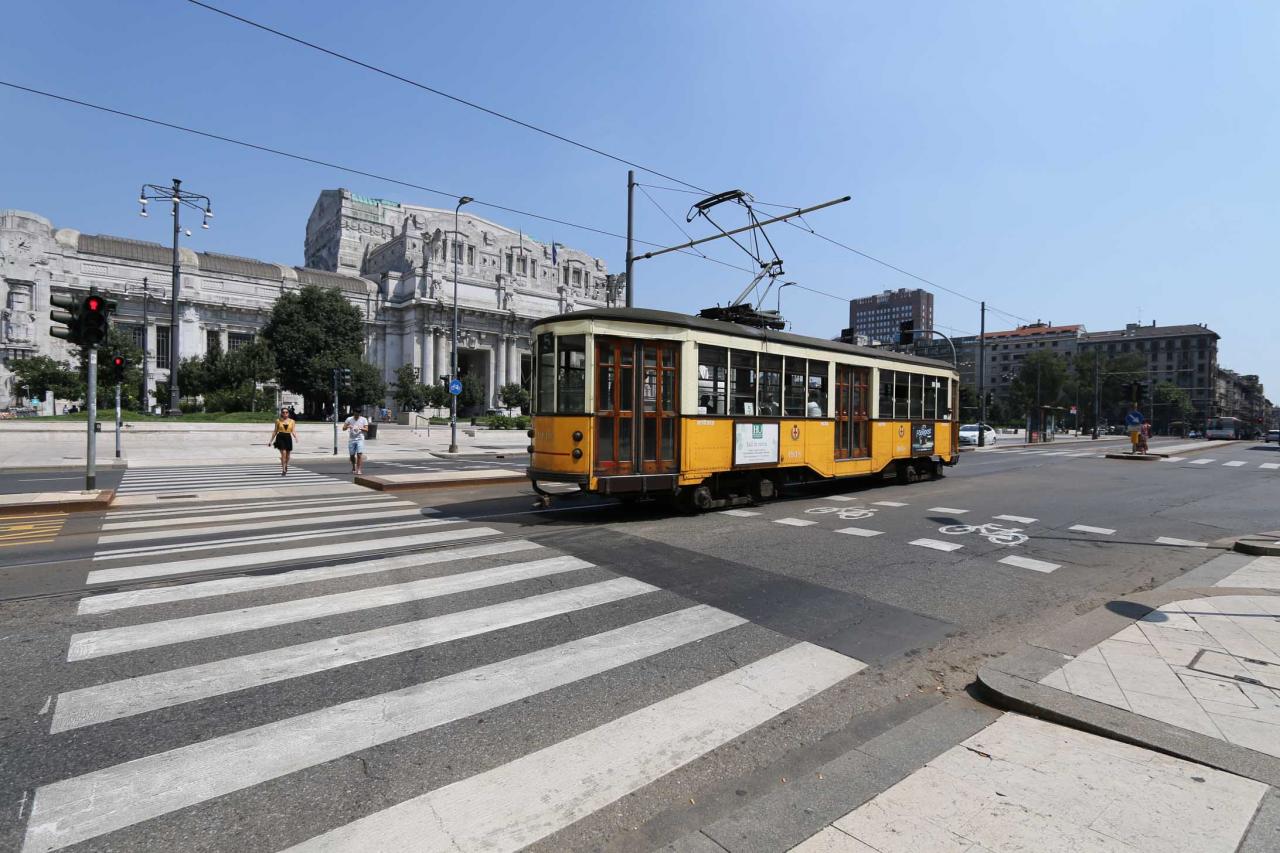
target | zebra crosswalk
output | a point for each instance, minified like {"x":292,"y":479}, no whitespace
{"x":217,"y":684}
{"x":209,"y":478}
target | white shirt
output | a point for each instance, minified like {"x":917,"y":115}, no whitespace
{"x":357,"y":425}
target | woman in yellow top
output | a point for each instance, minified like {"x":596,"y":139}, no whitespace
{"x":282,"y":439}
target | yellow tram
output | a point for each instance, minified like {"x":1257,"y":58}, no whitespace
{"x":632,"y":402}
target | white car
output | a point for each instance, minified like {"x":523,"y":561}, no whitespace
{"x":969,"y":435}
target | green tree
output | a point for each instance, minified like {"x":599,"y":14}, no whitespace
{"x":1039,"y":382}
{"x":193,"y":378}
{"x":117,"y":343}
{"x":1171,"y":405}
{"x":244,"y":369}
{"x":472,"y":393}
{"x":437,"y":396}
{"x":311,"y":332}
{"x":38,"y":374}
{"x":411,"y":394}
{"x":367,"y":386}
{"x":513,"y":396}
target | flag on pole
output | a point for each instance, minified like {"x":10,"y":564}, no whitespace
{"x":553,"y":252}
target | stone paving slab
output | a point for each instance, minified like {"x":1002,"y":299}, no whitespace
{"x":1025,"y":784}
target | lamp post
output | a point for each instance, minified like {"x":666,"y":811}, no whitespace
{"x":453,"y":369}
{"x":178,"y":197}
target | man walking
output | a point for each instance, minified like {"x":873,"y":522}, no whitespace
{"x":356,"y":425}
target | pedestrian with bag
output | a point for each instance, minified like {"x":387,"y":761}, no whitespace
{"x":282,"y":438}
{"x":356,"y":425}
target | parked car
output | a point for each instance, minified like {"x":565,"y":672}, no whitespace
{"x":969,"y":435}
{"x":1272,"y":435}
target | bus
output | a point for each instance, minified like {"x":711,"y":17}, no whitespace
{"x":1228,"y":428}
{"x":705,"y":413}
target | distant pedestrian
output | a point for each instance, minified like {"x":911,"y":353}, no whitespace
{"x":282,"y":438}
{"x":1144,"y":437}
{"x":356,"y":424}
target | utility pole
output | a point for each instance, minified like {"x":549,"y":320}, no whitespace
{"x":453,"y":360}
{"x":982,"y":376}
{"x":631,"y":215}
{"x":118,"y":420}
{"x":91,"y":454}
{"x":335,"y":411}
{"x":1097,"y":392}
{"x":177,"y":197}
{"x":146,"y":346}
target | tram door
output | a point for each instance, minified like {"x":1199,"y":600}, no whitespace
{"x":637,"y":401}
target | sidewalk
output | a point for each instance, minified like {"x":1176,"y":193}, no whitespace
{"x":1155,"y":725}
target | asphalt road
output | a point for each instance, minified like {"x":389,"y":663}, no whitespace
{"x":174,"y":659}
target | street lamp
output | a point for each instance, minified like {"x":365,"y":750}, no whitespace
{"x":178,"y":197}
{"x":453,"y":372}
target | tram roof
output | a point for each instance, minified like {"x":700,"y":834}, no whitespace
{"x":686,"y":321}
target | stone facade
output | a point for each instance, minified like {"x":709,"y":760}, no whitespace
{"x":392,"y":262}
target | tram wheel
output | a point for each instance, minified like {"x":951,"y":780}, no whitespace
{"x":908,"y":473}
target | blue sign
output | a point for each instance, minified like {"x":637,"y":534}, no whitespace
{"x":455,"y":387}
{"x":1133,"y":420}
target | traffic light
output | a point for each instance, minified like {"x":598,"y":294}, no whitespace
{"x":905,"y":332}
{"x":118,"y":367}
{"x":95,"y":318}
{"x":71,"y":329}
{"x":345,"y":374}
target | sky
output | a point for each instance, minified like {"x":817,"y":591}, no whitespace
{"x":1087,"y":162}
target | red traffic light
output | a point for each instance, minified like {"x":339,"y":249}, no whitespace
{"x":94,"y":303}
{"x":118,"y":361}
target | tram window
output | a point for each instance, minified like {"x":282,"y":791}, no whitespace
{"x":572,"y":376}
{"x":901,"y":395}
{"x":743,"y":378}
{"x":917,"y":396}
{"x":816,"y":404}
{"x":771,"y":385}
{"x":546,"y":373}
{"x":933,"y":389}
{"x":626,"y":384}
{"x":886,"y":394}
{"x":649,"y":391}
{"x":713,"y":368}
{"x":793,"y":394}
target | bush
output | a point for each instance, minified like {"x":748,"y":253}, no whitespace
{"x":233,"y":400}
{"x":502,"y":422}
{"x":524,"y":422}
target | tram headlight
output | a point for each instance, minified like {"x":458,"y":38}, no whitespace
{"x":577,"y":453}
{"x":529,"y":433}
{"x":577,"y":435}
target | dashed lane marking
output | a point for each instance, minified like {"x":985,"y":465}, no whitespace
{"x":1020,"y":519}
{"x":1174,"y":458}
{"x":1084,"y":528}
{"x":740,"y":513}
{"x":1188,"y":543}
{"x":841,"y":498}
{"x":949,"y":510}
{"x":888,"y":503}
{"x":1028,"y":563}
{"x":1079,"y":455}
{"x":859,"y":531}
{"x":35,"y":529}
{"x":1233,"y":464}
{"x":935,"y":544}
{"x":794,"y":522}
{"x":1201,"y":461}
{"x":1270,"y":466}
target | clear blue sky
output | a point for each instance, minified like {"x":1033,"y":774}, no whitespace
{"x":1090,"y":162}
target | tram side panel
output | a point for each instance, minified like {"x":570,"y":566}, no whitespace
{"x":555,"y":438}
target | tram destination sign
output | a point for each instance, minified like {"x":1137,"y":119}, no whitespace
{"x":755,"y":444}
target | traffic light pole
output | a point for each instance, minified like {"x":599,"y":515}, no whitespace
{"x":982,"y":376}
{"x":174,"y":330}
{"x":90,"y":473}
{"x":335,"y":411}
{"x":117,"y":420}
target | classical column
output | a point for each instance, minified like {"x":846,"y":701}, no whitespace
{"x":428,"y":375}
{"x":442,"y":355}
{"x":500,"y":367}
{"x":493,"y":372}
{"x":513,"y":360}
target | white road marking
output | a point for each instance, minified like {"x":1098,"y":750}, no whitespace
{"x":1028,"y":563}
{"x":1270,"y":466}
{"x":1190,"y":543}
{"x":328,"y":520}
{"x":1200,"y":461}
{"x":87,"y":806}
{"x":1080,"y":455}
{"x":234,"y":541}
{"x":1020,"y":519}
{"x":227,"y":586}
{"x":194,"y":509}
{"x":859,"y":531}
{"x":841,"y":498}
{"x":1057,"y":452}
{"x":1084,"y":528}
{"x":516,"y":804}
{"x":1233,"y":464}
{"x":263,"y":559}
{"x":207,"y":516}
{"x":935,"y":544}
{"x":113,"y":641}
{"x":949,"y":510}
{"x":794,"y":522}
{"x":740,"y":513}
{"x":888,"y":503}
{"x":125,"y":698}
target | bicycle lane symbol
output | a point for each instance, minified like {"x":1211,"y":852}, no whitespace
{"x":996,"y":534}
{"x":844,"y":513}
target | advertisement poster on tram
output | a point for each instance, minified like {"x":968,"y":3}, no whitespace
{"x":755,"y":444}
{"x":922,"y":438}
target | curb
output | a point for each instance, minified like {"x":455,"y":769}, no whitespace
{"x":1013,"y":682}
{"x":1138,"y":457}
{"x":100,"y":501}
{"x":1258,"y":546}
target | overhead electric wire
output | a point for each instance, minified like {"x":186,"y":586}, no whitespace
{"x":688,"y":236}
{"x":424,"y":87}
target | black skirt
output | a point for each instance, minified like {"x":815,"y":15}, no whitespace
{"x":284,"y":441}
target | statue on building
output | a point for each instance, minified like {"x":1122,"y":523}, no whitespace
{"x":19,"y":319}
